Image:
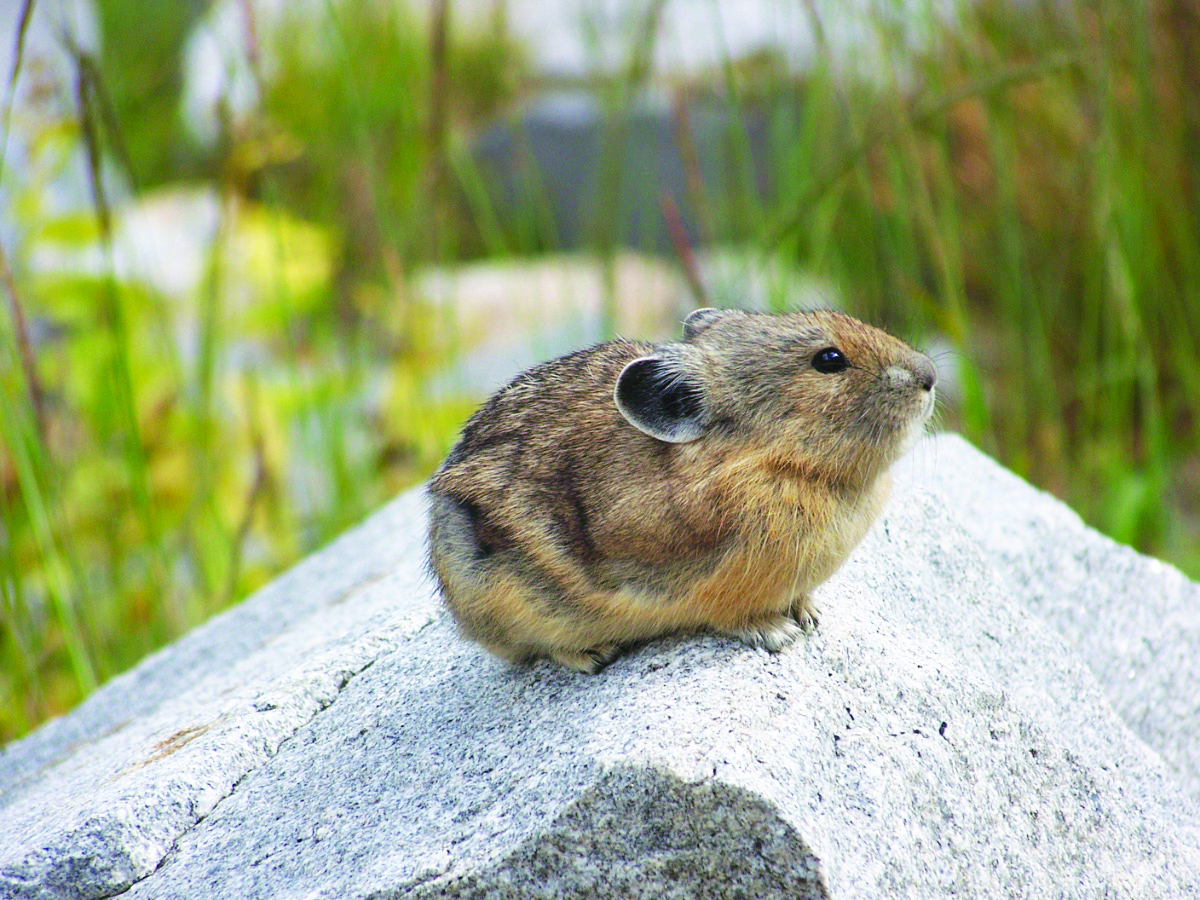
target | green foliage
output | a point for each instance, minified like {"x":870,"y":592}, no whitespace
{"x":142,"y":70}
{"x":1049,"y":212}
{"x":368,"y":145}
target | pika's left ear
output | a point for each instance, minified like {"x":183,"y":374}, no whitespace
{"x":659,"y":398}
{"x":700,"y":319}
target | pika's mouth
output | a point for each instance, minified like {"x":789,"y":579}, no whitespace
{"x":927,"y":403}
{"x":916,"y":425}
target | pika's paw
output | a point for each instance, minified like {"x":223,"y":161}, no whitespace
{"x":772,"y":634}
{"x":589,"y":661}
{"x":805,"y":614}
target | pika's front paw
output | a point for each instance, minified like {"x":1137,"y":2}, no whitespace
{"x":805,"y":614}
{"x":589,"y":661}
{"x":772,"y":634}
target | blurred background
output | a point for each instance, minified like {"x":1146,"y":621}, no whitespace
{"x":259,"y":259}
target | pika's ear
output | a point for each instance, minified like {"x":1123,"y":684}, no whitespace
{"x":698,"y":320}
{"x":660,"y":400}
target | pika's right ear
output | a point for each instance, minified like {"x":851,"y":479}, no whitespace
{"x":660,"y":400}
{"x":698,"y":320}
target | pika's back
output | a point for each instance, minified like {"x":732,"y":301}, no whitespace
{"x":547,"y":474}
{"x":565,"y":399}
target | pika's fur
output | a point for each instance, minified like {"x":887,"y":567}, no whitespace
{"x":629,"y":490}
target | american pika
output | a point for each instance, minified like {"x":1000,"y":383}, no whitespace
{"x":630,"y":490}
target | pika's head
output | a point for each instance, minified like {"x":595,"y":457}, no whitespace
{"x":819,"y":389}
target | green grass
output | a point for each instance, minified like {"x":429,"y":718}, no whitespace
{"x":1025,"y":188}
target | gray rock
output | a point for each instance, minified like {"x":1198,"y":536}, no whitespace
{"x":1134,"y":620}
{"x":943,"y":733}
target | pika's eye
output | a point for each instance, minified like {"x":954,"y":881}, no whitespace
{"x":829,"y":361}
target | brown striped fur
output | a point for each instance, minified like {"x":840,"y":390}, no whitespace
{"x":559,"y":529}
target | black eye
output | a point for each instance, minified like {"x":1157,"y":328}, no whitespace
{"x":829,"y":361}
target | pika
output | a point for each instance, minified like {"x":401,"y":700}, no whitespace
{"x":631,"y":490}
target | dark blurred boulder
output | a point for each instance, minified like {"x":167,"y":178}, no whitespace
{"x":571,"y":174}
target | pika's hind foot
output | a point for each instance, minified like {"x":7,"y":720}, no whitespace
{"x":772,"y":633}
{"x":589,"y":661}
{"x":805,"y":614}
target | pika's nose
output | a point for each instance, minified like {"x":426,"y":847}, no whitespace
{"x":926,"y":373}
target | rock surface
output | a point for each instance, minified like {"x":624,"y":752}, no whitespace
{"x":1134,"y":620}
{"x":999,"y":702}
